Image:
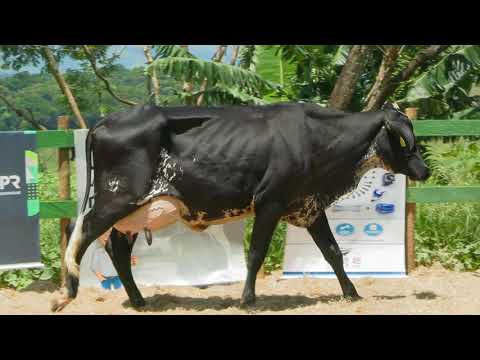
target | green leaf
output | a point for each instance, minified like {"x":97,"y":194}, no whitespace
{"x":452,"y":70}
{"x":164,"y":51}
{"x":272,"y":67}
{"x":47,"y":274}
{"x":196,"y":70}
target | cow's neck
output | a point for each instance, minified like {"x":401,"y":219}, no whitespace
{"x":365,"y":157}
{"x":370,"y":160}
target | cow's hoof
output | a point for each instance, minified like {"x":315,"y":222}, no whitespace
{"x":59,"y":305}
{"x":138,"y":303}
{"x":247,"y":302}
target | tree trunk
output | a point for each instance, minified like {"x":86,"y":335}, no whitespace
{"x":342,"y":93}
{"x":155,"y":87}
{"x":53,"y":67}
{"x":236,"y":50}
{"x":383,"y":78}
{"x":187,"y":86}
{"x":421,"y":58}
{"x":217,"y":57}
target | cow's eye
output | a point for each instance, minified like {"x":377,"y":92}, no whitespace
{"x":402,"y":142}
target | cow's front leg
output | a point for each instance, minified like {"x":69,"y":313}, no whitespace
{"x":266,"y":220}
{"x":323,"y":237}
{"x":120,"y":250}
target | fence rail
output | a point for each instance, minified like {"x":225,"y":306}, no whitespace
{"x":415,"y":194}
{"x":445,"y":128}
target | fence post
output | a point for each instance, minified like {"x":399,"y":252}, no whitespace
{"x":411,"y":212}
{"x":63,"y":190}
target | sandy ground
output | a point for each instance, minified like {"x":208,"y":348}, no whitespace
{"x":431,"y":290}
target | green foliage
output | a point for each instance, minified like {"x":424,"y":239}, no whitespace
{"x":195,"y":70}
{"x":40,"y":94}
{"x":274,"y":259}
{"x":165,"y":51}
{"x":221,"y":94}
{"x":246,"y":55}
{"x":17,"y":56}
{"x":443,"y":90}
{"x":450,"y":233}
{"x":227,"y":84}
{"x":312,"y":70}
{"x":270,"y":65}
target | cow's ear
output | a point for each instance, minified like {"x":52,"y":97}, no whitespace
{"x":399,"y":128}
{"x":388,"y":106}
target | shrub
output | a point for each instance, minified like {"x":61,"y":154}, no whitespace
{"x":450,"y":232}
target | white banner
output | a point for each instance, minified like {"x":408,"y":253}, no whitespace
{"x":177,"y":256}
{"x":369,"y":226}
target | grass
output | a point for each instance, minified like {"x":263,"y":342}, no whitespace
{"x":450,"y":232}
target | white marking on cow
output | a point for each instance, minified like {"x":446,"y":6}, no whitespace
{"x":73,"y":246}
{"x":305,"y":215}
{"x":113,"y":185}
{"x":370,"y":161}
{"x":167,"y":171}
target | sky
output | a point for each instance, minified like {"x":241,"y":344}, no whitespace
{"x":132,"y":56}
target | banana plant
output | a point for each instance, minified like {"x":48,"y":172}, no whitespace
{"x":269,"y":63}
{"x":226,"y":82}
{"x":316,"y":70}
{"x":445,"y":88}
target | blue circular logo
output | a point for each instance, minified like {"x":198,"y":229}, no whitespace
{"x":373,"y":229}
{"x":345,"y":229}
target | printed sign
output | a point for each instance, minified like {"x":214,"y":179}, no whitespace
{"x":19,"y":203}
{"x":177,"y":256}
{"x":369,"y":226}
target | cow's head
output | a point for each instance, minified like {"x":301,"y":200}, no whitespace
{"x":397,"y":145}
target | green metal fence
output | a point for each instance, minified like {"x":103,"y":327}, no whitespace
{"x":424,"y":194}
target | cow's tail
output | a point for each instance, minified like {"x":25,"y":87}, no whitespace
{"x":88,"y":158}
{"x":75,"y":240}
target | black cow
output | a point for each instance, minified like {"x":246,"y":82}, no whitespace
{"x":283,"y":162}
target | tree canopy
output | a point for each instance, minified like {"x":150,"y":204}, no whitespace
{"x":443,"y":81}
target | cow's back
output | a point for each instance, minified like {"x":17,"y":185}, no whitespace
{"x":226,"y":158}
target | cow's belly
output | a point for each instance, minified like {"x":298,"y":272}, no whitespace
{"x":200,"y":220}
{"x":166,"y":210}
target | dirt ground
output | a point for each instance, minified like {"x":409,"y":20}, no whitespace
{"x":432,"y":290}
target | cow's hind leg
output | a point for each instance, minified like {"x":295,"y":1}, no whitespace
{"x":87,"y":229}
{"x":266,"y":220}
{"x":323,"y":237}
{"x":120,"y":250}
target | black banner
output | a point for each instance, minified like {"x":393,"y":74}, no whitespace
{"x":19,"y":202}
